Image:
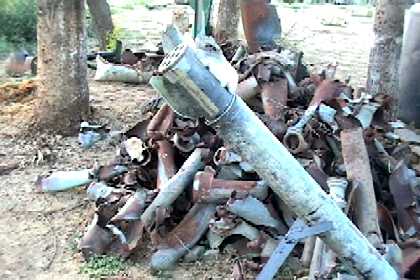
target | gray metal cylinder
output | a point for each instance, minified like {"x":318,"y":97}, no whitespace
{"x":409,"y":98}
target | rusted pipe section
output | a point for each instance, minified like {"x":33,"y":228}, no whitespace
{"x":358,"y":170}
{"x":184,"y":237}
{"x":166,"y":162}
{"x":261,"y":24}
{"x":208,"y":189}
{"x":170,"y":191}
{"x":95,"y":241}
{"x":161,"y":123}
{"x":274,"y":99}
{"x":241,"y":129}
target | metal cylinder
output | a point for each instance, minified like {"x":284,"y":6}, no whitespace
{"x":261,"y":24}
{"x":241,"y":129}
{"x":409,"y":99}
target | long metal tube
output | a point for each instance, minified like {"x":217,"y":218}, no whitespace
{"x":356,"y":160}
{"x":241,"y":129}
{"x":171,"y":190}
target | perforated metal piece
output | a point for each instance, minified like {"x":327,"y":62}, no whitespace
{"x":172,"y":58}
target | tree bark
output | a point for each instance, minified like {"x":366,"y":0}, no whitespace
{"x":228,"y":14}
{"x":385,"y":54}
{"x":62,"y":95}
{"x":102,"y":20}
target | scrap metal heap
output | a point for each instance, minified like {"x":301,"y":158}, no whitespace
{"x":182,"y":174}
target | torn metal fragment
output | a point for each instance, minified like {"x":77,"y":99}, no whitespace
{"x":254,"y":211}
{"x":184,"y":237}
{"x":232,"y":119}
{"x":206,"y":188}
{"x":63,"y":180}
{"x":95,"y":241}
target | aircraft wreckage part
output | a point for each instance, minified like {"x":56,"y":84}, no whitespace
{"x":358,"y":170}
{"x":261,"y":24}
{"x":241,"y":129}
{"x":184,"y":237}
{"x":170,"y":191}
{"x":64,"y":180}
{"x":208,"y":189}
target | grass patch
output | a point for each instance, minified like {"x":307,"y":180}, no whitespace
{"x":103,"y":266}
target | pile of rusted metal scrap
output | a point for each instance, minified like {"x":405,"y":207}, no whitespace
{"x":333,"y":182}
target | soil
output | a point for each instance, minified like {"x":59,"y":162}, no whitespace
{"x":39,"y":232}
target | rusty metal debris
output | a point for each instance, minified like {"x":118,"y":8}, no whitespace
{"x":202,"y":171}
{"x":296,"y":232}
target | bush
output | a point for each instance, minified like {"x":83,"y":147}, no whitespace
{"x":18,"y":21}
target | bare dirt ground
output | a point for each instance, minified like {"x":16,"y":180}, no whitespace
{"x":39,"y":232}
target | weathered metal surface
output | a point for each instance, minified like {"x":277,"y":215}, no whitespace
{"x":401,"y":182}
{"x":171,"y":38}
{"x":248,"y":88}
{"x":183,"y":237}
{"x":261,"y":24}
{"x":95,"y":241}
{"x":176,"y":185}
{"x":272,"y":162}
{"x":274,"y":99}
{"x":166,"y":168}
{"x":254,"y":211}
{"x":296,"y":232}
{"x":206,"y":188}
{"x":358,"y":170}
{"x":221,"y":229}
{"x":161,"y":123}
{"x":64,"y":180}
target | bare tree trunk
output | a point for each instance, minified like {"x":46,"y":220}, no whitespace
{"x":227,"y":20}
{"x":62,"y":95}
{"x":102,"y":20}
{"x":385,"y":54}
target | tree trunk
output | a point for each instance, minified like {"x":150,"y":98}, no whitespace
{"x":102,"y":20}
{"x":228,"y":14}
{"x":385,"y":54}
{"x":62,"y":95}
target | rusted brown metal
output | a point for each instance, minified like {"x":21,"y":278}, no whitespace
{"x":326,"y":91}
{"x":400,"y":184}
{"x":261,"y":24}
{"x":159,"y":126}
{"x":95,"y":241}
{"x":208,"y":189}
{"x":166,"y":162}
{"x":411,"y":264}
{"x":248,"y":88}
{"x":274,"y":98}
{"x":183,"y":237}
{"x":294,"y":139}
{"x":176,"y":185}
{"x":358,"y":170}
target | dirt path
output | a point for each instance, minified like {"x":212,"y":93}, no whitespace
{"x":39,"y":232}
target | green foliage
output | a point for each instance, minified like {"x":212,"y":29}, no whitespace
{"x":18,"y":21}
{"x":102,"y":266}
{"x":111,"y":40}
